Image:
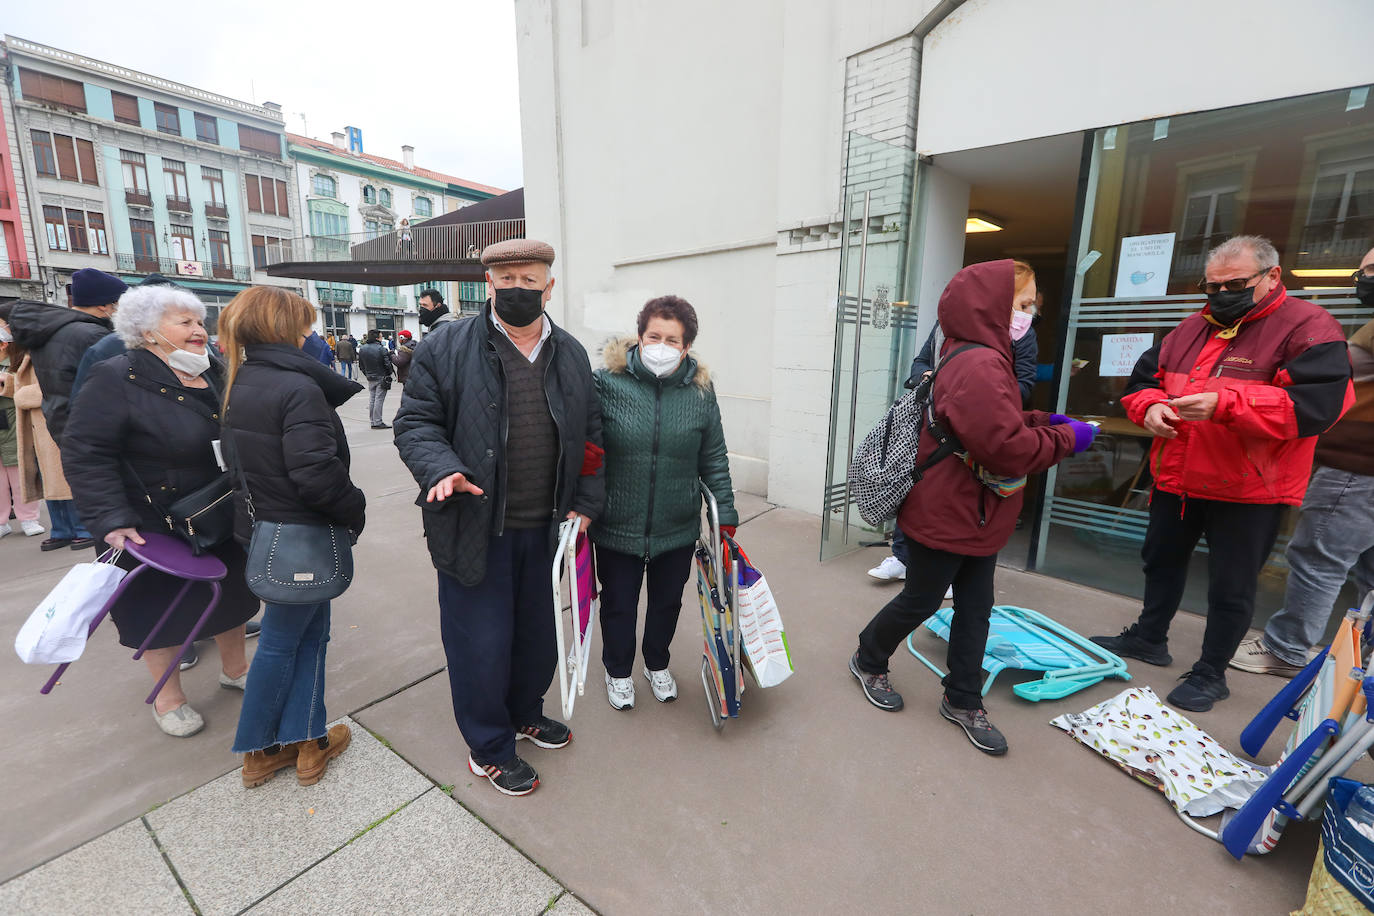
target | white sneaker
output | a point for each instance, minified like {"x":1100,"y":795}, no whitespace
{"x":664,"y":687}
{"x":621,"y":692}
{"x":891,"y":568}
{"x":949,"y":593}
{"x":5,"y":529}
{"x":233,"y":683}
{"x":32,"y":528}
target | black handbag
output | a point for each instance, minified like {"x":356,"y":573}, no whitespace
{"x":292,"y":562}
{"x":203,"y":518}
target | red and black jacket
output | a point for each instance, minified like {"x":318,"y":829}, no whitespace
{"x":1282,"y":376}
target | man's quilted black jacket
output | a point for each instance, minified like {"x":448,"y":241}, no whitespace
{"x":452,"y":421}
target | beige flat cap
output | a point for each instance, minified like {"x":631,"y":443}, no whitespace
{"x":517,"y":251}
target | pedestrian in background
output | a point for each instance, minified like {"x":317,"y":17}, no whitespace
{"x":288,"y":446}
{"x":964,"y":509}
{"x":663,"y":435}
{"x":499,"y":423}
{"x":433,"y":312}
{"x":145,"y":424}
{"x":1235,"y":397}
{"x":56,"y":339}
{"x":347,"y":352}
{"x":11,"y":488}
{"x":401,"y":359}
{"x":374,"y":362}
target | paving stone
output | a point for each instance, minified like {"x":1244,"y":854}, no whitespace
{"x":568,"y":905}
{"x":232,"y":846}
{"x":431,"y":857}
{"x":120,"y":872}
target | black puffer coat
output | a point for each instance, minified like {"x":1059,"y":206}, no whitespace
{"x":288,"y":440}
{"x":453,"y":421}
{"x":56,"y":339}
{"x":134,"y":410}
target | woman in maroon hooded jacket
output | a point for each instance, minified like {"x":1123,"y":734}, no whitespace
{"x":955,"y":522}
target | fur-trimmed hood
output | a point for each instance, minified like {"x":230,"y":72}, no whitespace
{"x":615,"y":357}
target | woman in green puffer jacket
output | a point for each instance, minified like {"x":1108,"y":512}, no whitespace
{"x":662,"y":432}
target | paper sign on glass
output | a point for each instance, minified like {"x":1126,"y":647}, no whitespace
{"x":1143,"y":269}
{"x":1121,"y":351}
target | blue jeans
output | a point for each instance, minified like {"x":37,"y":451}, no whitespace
{"x":283,"y":701}
{"x":1334,"y":538}
{"x":899,"y":548}
{"x":66,"y":524}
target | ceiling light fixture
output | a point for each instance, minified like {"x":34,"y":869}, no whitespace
{"x":981,"y":222}
{"x":1332,"y":272}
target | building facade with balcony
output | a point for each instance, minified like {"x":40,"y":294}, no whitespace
{"x":135,"y":174}
{"x":351,"y":198}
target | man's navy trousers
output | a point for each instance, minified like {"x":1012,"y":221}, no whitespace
{"x":500,"y":642}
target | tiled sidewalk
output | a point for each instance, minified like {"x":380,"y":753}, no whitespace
{"x":375,"y":835}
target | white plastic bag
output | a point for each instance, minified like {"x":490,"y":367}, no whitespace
{"x":760,"y":627}
{"x":56,"y":630}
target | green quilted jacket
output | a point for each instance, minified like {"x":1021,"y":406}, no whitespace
{"x":661,"y":437}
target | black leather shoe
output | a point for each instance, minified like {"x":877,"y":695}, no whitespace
{"x":54,"y":544}
{"x":82,"y":543}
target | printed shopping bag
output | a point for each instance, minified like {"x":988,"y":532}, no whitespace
{"x":57,"y":629}
{"x":760,"y":625}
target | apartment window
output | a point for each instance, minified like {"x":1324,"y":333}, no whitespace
{"x":328,"y":224}
{"x":95,"y":229}
{"x":267,"y":195}
{"x":45,"y":163}
{"x":174,"y":171}
{"x":207,"y":129}
{"x":145,"y":244}
{"x":384,"y":197}
{"x":57,"y":231}
{"x":424,"y":207}
{"x":183,"y":243}
{"x":263,"y":142}
{"x":371,"y":228}
{"x":85,"y":157}
{"x":369,"y":194}
{"x":168,"y":118}
{"x":220,"y":258}
{"x":52,"y":90}
{"x":214,"y":186}
{"x":125,"y":108}
{"x":76,"y":231}
{"x":324,"y":186}
{"x":135,"y":167}
{"x":262,"y":245}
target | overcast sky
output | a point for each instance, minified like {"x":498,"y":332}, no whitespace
{"x":438,"y":74}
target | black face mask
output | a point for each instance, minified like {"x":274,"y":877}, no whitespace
{"x":1364,"y":291}
{"x":519,"y":307}
{"x":1229,"y":307}
{"x":429,"y":316}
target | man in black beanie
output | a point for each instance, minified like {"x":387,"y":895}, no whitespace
{"x":56,"y":339}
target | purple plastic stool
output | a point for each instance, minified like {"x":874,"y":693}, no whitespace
{"x":173,"y":556}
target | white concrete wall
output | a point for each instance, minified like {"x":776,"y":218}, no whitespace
{"x":664,"y":144}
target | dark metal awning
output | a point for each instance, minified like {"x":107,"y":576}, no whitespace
{"x":380,"y":272}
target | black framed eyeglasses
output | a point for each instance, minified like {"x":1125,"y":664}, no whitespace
{"x":1366,"y":273}
{"x":1233,"y":286}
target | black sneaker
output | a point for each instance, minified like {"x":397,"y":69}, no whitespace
{"x":1130,"y":645}
{"x":1201,"y":688}
{"x":251,"y":628}
{"x":190,"y":658}
{"x":514,"y":777}
{"x":982,"y":733}
{"x":876,"y":687}
{"x":545,"y":732}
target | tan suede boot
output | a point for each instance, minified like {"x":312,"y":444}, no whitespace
{"x":311,"y":761}
{"x":259,"y":767}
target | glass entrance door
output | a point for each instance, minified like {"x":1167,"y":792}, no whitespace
{"x":875,"y":321}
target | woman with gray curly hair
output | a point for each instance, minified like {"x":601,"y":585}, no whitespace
{"x":140,"y":436}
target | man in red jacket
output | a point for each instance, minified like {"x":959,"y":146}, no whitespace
{"x":1235,"y":397}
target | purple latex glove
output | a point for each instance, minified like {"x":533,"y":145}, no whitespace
{"x":1083,"y":435}
{"x":1058,"y":418}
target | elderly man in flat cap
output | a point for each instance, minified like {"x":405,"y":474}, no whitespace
{"x":500,"y":425}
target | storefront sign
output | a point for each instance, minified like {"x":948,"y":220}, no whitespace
{"x":1121,"y":351}
{"x":1144,"y":266}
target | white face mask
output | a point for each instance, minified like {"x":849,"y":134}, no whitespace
{"x":186,"y":362}
{"x":6,"y":336}
{"x":660,"y":358}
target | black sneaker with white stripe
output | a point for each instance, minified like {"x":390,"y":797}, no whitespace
{"x":514,"y":777}
{"x":545,"y":732}
{"x":981,"y":733}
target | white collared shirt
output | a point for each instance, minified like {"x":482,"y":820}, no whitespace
{"x":543,"y":335}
